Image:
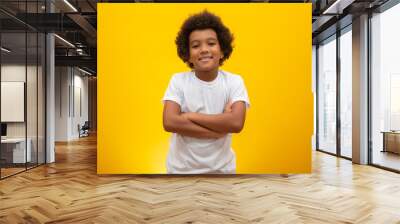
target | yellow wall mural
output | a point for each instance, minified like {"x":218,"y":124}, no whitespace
{"x":137,"y":57}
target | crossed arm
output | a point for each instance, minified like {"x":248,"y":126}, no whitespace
{"x":204,"y":125}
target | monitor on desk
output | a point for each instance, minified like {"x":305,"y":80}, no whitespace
{"x":3,"y":130}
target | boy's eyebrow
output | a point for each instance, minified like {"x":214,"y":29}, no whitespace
{"x":193,"y":41}
{"x":210,"y":38}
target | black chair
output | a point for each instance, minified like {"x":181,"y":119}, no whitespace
{"x":84,"y":130}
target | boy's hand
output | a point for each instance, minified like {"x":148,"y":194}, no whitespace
{"x":212,"y":134}
{"x":228,"y":107}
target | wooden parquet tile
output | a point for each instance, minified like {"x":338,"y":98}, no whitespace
{"x":70,"y":191}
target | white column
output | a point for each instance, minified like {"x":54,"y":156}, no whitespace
{"x":50,"y":100}
{"x":50,"y":92}
{"x":360,"y":90}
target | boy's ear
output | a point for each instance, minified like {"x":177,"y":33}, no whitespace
{"x":188,"y":59}
{"x":220,"y":59}
{"x":189,"y":63}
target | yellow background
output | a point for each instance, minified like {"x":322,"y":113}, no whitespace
{"x":137,"y":57}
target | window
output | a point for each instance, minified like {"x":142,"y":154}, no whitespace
{"x":346,"y":93}
{"x":327,"y":95}
{"x":385,"y":88}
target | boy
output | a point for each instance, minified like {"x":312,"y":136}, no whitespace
{"x":202,"y":107}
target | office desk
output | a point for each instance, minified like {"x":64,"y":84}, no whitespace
{"x":391,"y":141}
{"x":13,"y":150}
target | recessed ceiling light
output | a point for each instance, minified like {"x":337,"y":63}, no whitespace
{"x":337,"y":7}
{"x":5,"y":50}
{"x":64,"y":40}
{"x":71,"y":6}
{"x":84,"y":71}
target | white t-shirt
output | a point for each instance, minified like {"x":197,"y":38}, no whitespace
{"x":188,"y":155}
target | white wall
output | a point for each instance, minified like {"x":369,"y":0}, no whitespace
{"x":33,"y":127}
{"x":62,"y":81}
{"x":80,"y":83}
{"x":12,"y":73}
{"x":71,"y":87}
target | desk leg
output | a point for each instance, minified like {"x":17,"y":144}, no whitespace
{"x":384,"y":142}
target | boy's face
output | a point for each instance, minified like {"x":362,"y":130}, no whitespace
{"x":204,"y":50}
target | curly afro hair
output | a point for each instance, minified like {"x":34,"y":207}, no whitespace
{"x":201,"y":21}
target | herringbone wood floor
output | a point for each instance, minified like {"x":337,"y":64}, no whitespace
{"x":70,"y":191}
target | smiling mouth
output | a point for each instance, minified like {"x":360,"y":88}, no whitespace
{"x":205,"y":58}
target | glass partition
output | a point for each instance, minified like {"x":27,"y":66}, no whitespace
{"x":327,"y":95}
{"x":22,"y":88}
{"x":346,"y":93}
{"x":14,"y":145}
{"x":385,"y":89}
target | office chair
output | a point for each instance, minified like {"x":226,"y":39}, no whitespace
{"x":84,"y":130}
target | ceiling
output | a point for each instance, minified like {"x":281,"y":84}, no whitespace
{"x":72,"y":20}
{"x":76,"y":22}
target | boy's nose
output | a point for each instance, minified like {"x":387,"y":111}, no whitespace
{"x":204,"y":49}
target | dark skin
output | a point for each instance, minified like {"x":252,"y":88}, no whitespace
{"x":205,"y":54}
